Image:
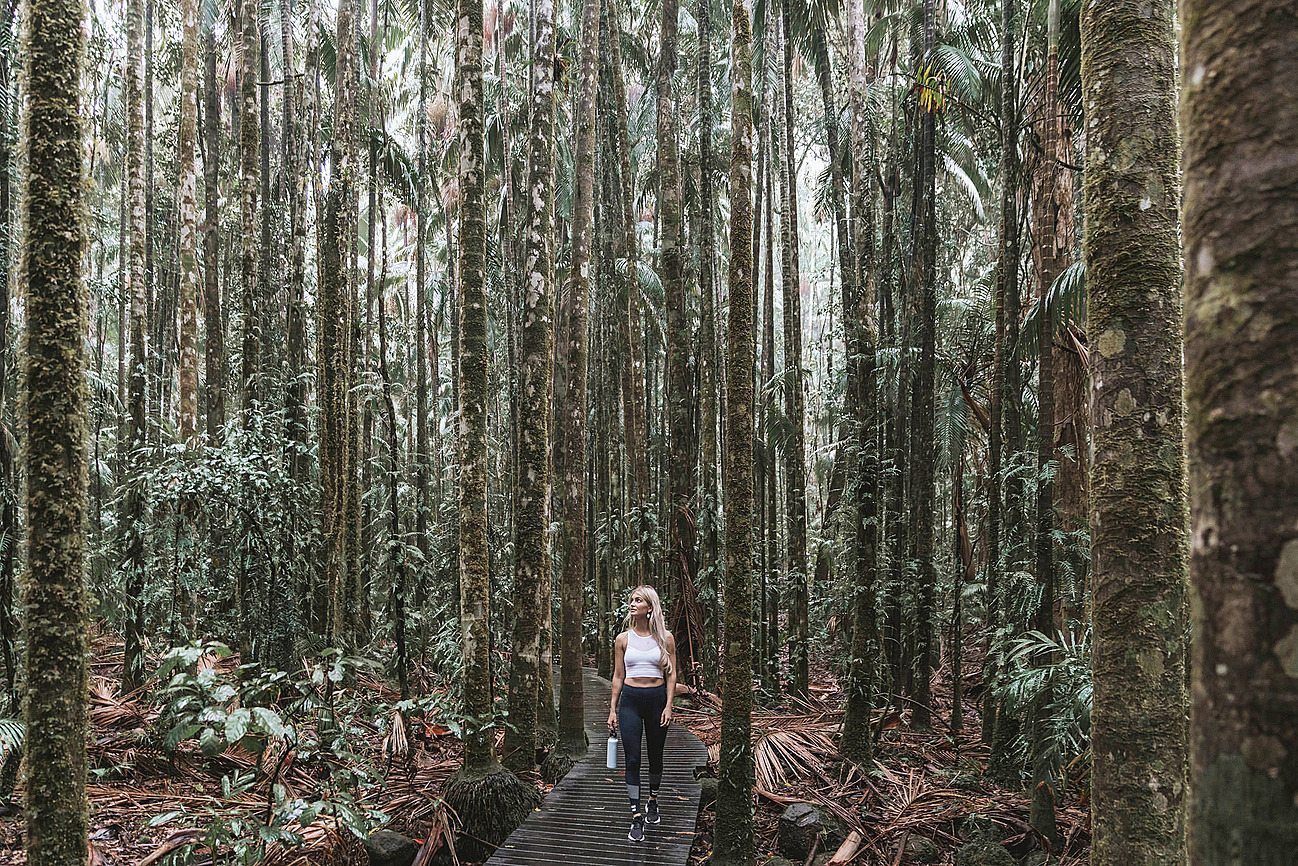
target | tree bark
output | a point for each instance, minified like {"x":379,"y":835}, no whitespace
{"x":923,"y":450}
{"x":532,"y":486}
{"x":734,"y":830}
{"x":188,"y":135}
{"x":795,"y":471}
{"x":138,"y":403}
{"x":862,"y":400}
{"x":337,"y":414}
{"x":213,"y":331}
{"x":56,"y":813}
{"x":572,"y":730}
{"x":1138,"y":508}
{"x":1240,"y":127}
{"x":681,"y":562}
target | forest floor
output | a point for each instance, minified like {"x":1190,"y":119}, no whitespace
{"x":150,"y":805}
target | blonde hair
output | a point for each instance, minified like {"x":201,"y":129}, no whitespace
{"x":657,"y":625}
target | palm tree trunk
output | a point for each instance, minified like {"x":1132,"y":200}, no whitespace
{"x":55,"y":431}
{"x":858,"y":311}
{"x":1138,"y":503}
{"x":572,"y":730}
{"x":138,"y":404}
{"x":532,"y":487}
{"x":734,"y":829}
{"x":188,"y":135}
{"x":633,"y":374}
{"x":214,"y":333}
{"x":795,"y":472}
{"x":1238,"y":121}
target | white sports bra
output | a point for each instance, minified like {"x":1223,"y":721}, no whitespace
{"x":643,"y":657}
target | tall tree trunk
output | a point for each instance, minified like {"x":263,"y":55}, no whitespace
{"x":55,"y":434}
{"x":396,"y":553}
{"x":138,"y":405}
{"x":1006,"y":285}
{"x":710,"y":500}
{"x":572,"y":730}
{"x":188,"y":136}
{"x":249,"y":173}
{"x":490,"y":800}
{"x":861,"y":332}
{"x":214,"y":333}
{"x":680,"y":471}
{"x":795,"y":472}
{"x":1138,"y":507}
{"x":1240,"y":128}
{"x":734,"y":831}
{"x":475,"y":584}
{"x":337,"y":413}
{"x":532,"y":486}
{"x":923,"y":450}
{"x":295,"y":178}
{"x":1049,"y":260}
{"x":422,"y":332}
{"x":633,"y":374}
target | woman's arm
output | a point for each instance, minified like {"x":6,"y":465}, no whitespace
{"x":671,"y":680}
{"x":619,"y":676}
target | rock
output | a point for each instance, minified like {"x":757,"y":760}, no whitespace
{"x":387,"y":848}
{"x":920,"y":850}
{"x":984,"y":853}
{"x":1037,"y":858}
{"x":799,"y":826}
{"x":779,"y":861}
{"x":708,"y":792}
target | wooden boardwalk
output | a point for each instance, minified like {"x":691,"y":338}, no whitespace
{"x":584,"y":820}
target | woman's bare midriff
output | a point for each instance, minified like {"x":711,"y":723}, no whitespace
{"x":645,"y":682}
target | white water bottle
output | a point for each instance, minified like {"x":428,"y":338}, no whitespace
{"x":611,"y":761}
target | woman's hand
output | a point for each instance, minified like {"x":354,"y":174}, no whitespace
{"x":667,"y":715}
{"x":612,"y":721}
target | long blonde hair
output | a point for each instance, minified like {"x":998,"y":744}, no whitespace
{"x":657,"y":626}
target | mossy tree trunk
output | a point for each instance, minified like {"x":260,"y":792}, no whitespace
{"x":795,"y":467}
{"x":857,"y":742}
{"x":213,"y":331}
{"x":1138,"y":508}
{"x":572,"y":719}
{"x":532,"y":487}
{"x":489,"y":800}
{"x":710,"y":500}
{"x":133,"y":538}
{"x":679,"y":395}
{"x":54,"y":434}
{"x":337,"y":409}
{"x":734,"y":832}
{"x":189,"y":277}
{"x":630,"y":325}
{"x":923,"y":449}
{"x":1240,"y":127}
{"x":249,"y":177}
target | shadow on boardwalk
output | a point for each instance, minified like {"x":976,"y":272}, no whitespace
{"x":584,"y":820}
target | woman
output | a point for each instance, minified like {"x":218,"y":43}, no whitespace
{"x":644,"y":681}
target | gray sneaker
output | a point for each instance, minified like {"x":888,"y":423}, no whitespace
{"x":651,"y":816}
{"x":637,"y":828}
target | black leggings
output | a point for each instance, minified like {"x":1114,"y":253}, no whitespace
{"x":641,"y":709}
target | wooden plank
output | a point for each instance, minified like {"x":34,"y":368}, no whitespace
{"x":584,"y":820}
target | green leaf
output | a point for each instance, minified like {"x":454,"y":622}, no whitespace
{"x":236,"y":725}
{"x":210,"y":742}
{"x":269,"y":721}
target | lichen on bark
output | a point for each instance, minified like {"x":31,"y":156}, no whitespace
{"x":1138,"y":510}
{"x":54,"y":604}
{"x":1240,"y":126}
